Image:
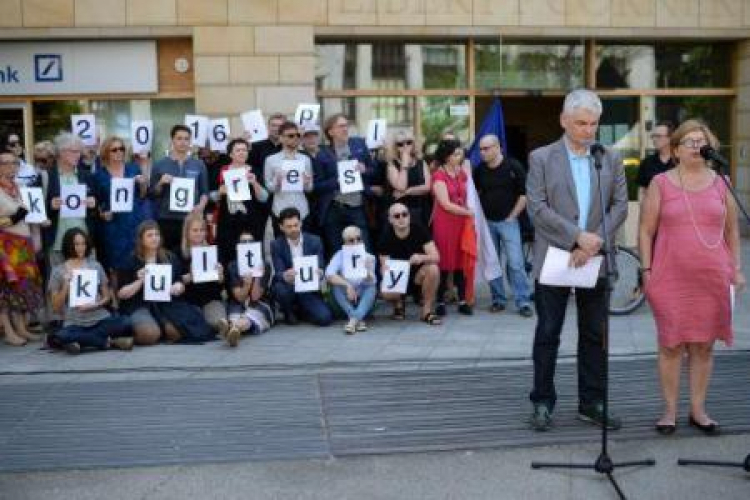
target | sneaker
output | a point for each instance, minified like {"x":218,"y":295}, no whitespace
{"x":73,"y":348}
{"x":541,"y":418}
{"x":465,"y":309}
{"x":526,"y":311}
{"x":122,"y":343}
{"x":350,"y":327}
{"x":496,"y":308}
{"x":233,"y":336}
{"x":440,"y":309}
{"x":361,"y":326}
{"x":594,"y":414}
{"x":223,"y":327}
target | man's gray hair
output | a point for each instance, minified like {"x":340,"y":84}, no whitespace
{"x":582,"y":99}
{"x":66,"y":140}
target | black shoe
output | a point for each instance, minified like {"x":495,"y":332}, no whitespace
{"x":665,"y":429}
{"x":526,"y":311}
{"x":73,"y":348}
{"x":594,"y":414}
{"x":496,"y":308}
{"x":711,"y":429}
{"x":465,"y":309}
{"x":290,"y":319}
{"x":541,"y":418}
{"x":440,"y":310}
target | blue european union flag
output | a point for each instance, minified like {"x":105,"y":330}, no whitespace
{"x":493,"y":123}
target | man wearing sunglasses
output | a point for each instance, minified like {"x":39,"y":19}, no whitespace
{"x":406,"y":240}
{"x":275,"y":170}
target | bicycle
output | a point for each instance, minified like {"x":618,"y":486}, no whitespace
{"x":627,"y":290}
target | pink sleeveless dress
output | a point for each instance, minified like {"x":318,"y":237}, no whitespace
{"x":688,"y":289}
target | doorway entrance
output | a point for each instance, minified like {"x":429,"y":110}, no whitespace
{"x":13,"y":121}
{"x":530,"y":122}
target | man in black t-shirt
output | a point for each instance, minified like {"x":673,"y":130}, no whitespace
{"x":403,"y":240}
{"x":501,"y":185}
{"x":658,"y":162}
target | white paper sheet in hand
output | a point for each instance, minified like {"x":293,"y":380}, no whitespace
{"x":556,"y":270}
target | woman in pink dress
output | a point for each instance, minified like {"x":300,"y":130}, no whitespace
{"x":690,"y":249}
{"x":449,"y":215}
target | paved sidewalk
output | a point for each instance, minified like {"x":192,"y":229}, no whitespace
{"x":484,"y":339}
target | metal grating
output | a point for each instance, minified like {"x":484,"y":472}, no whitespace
{"x":136,"y":423}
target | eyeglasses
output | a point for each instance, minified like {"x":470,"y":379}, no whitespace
{"x":693,"y":143}
{"x":119,"y":149}
{"x":356,"y":239}
{"x":659,"y":136}
{"x":291,"y":136}
{"x":399,"y":215}
{"x":407,"y":142}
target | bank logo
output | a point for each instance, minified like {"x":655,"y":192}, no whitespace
{"x":48,"y":68}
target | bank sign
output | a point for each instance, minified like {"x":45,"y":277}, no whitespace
{"x":102,"y":67}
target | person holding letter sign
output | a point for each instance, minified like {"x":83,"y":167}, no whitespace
{"x":249,"y":312}
{"x":284,"y":249}
{"x":337,"y":210}
{"x":20,"y":279}
{"x":351,"y":273}
{"x":205,"y":295}
{"x":178,"y":165}
{"x":288,"y":176}
{"x":563,"y":203}
{"x":234,"y":217}
{"x":175,"y":320}
{"x":66,"y":173}
{"x":404,"y":240}
{"x":119,"y":204}
{"x":90,"y":325}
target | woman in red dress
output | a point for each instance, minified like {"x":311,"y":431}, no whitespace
{"x":690,"y":249}
{"x":450,"y":213}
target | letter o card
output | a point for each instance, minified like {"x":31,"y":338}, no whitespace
{"x":292,"y":172}
{"x":396,"y":276}
{"x":142,"y":135}
{"x":83,"y":287}
{"x":158,"y":283}
{"x":350,"y":178}
{"x":73,"y":198}
{"x":306,"y":278}
{"x":181,"y":194}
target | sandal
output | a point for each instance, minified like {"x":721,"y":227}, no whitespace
{"x":399,"y":311}
{"x":432,"y":319}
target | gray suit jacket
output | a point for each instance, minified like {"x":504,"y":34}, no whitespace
{"x":553,"y":203}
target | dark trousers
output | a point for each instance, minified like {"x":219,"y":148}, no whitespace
{"x":551,"y":302}
{"x":94,"y":336}
{"x":339,"y":217}
{"x":171,"y":234}
{"x":311,"y":304}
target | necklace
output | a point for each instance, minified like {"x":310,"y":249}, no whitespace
{"x":720,"y":239}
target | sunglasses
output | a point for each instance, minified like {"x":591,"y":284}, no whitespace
{"x":291,"y":136}
{"x":246,"y":240}
{"x":356,"y":239}
{"x":407,"y":142}
{"x":399,"y":215}
{"x":120,"y":149}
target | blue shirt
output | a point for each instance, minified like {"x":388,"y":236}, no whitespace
{"x":191,"y":168}
{"x":580,"y":167}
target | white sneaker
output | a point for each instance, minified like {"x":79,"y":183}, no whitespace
{"x":361,"y":326}
{"x":350,"y":327}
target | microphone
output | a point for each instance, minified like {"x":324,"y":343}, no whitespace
{"x":597,"y":151}
{"x":709,"y":153}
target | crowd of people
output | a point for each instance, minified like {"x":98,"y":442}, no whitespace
{"x":417,"y":229}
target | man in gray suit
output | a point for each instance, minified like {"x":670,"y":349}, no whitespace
{"x":563,"y":202}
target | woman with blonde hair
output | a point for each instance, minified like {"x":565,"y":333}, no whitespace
{"x":205,"y":295}
{"x":408,"y":176}
{"x":690,"y":251}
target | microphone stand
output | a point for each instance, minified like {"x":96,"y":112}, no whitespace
{"x":603,"y":464}
{"x":745,"y":465}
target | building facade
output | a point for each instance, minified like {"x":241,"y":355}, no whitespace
{"x":429,"y":65}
